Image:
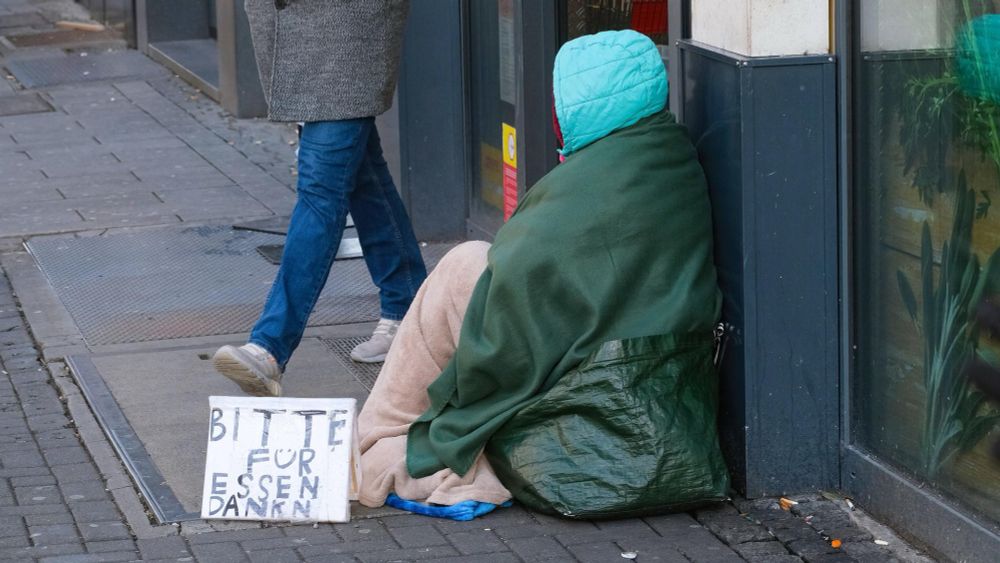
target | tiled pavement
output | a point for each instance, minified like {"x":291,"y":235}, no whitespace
{"x":131,"y":152}
{"x":122,"y":155}
{"x":57,"y":505}
{"x":135,"y":153}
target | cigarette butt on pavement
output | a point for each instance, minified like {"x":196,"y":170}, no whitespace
{"x":81,"y":26}
{"x":786,"y":503}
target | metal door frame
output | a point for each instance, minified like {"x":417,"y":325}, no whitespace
{"x":537,"y":33}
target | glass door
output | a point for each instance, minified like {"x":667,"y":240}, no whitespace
{"x":511,"y":138}
{"x":650,"y":17}
{"x":591,"y":16}
{"x":494,"y":83}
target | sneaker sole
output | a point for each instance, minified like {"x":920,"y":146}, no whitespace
{"x":248,"y":381}
{"x":375,"y":360}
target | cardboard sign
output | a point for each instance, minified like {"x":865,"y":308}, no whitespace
{"x":281,"y":459}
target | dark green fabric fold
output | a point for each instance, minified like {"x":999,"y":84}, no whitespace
{"x":614,"y":243}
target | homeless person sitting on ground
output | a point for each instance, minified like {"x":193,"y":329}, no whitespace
{"x":578,"y":348}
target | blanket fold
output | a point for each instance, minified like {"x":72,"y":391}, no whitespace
{"x":614,"y":243}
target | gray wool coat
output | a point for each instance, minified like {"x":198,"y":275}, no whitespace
{"x":324,"y":60}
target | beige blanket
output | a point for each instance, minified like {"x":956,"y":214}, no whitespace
{"x":423,"y":346}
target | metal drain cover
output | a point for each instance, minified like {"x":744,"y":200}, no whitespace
{"x":49,"y":71}
{"x":278,"y":225}
{"x":366,"y":374}
{"x":349,"y":248}
{"x":20,"y":104}
{"x":173,"y":283}
{"x":271,"y":225}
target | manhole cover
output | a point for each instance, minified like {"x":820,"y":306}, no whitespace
{"x":61,"y":37}
{"x":49,"y":71}
{"x":177,"y":283}
{"x":366,"y":374}
{"x":23,"y":103}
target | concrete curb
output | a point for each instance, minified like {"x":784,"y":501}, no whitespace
{"x":115,"y":477}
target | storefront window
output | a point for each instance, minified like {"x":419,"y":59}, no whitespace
{"x":927,"y":239}
{"x":591,"y":16}
{"x":495,"y":82}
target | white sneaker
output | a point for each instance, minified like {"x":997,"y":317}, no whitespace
{"x":375,"y":349}
{"x":251,"y":367}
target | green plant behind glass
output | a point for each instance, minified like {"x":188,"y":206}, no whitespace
{"x":935,"y":104}
{"x":956,"y":417}
{"x":959,"y":105}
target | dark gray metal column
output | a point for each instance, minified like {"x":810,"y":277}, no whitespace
{"x":679,"y":24}
{"x":239,"y":82}
{"x":766,"y":134}
{"x":537,"y":42}
{"x":432,"y":115}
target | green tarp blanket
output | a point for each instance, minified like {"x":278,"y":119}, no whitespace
{"x":630,"y":432}
{"x":614,"y":243}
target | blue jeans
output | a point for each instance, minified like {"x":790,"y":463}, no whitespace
{"x":341,"y":169}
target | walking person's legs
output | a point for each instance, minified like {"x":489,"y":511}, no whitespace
{"x":390,"y":248}
{"x":330,"y":156}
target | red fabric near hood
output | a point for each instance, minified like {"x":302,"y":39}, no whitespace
{"x":555,"y":124}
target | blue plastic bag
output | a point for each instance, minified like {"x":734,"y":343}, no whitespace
{"x":463,"y":511}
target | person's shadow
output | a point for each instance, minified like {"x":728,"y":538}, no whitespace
{"x":985,"y":376}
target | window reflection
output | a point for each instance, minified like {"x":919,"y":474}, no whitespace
{"x":591,"y":16}
{"x":927,"y":238}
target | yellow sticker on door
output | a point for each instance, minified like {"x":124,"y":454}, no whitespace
{"x":509,"y":145}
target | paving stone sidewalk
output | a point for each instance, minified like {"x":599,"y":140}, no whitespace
{"x":55,"y":505}
{"x":131,"y":151}
{"x":135,"y":152}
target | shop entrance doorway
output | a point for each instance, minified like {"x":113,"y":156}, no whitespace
{"x":511,"y":49}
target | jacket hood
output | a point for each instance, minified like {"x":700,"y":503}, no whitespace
{"x":606,"y":82}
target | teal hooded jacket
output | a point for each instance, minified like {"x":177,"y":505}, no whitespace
{"x":614,"y":243}
{"x":606,"y":82}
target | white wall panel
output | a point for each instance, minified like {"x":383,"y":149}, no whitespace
{"x":761,"y":28}
{"x":899,"y":25}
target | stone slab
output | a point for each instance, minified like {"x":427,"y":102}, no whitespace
{"x":22,"y":19}
{"x":62,"y":37}
{"x":41,"y":72}
{"x":50,"y":323}
{"x":20,"y":104}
